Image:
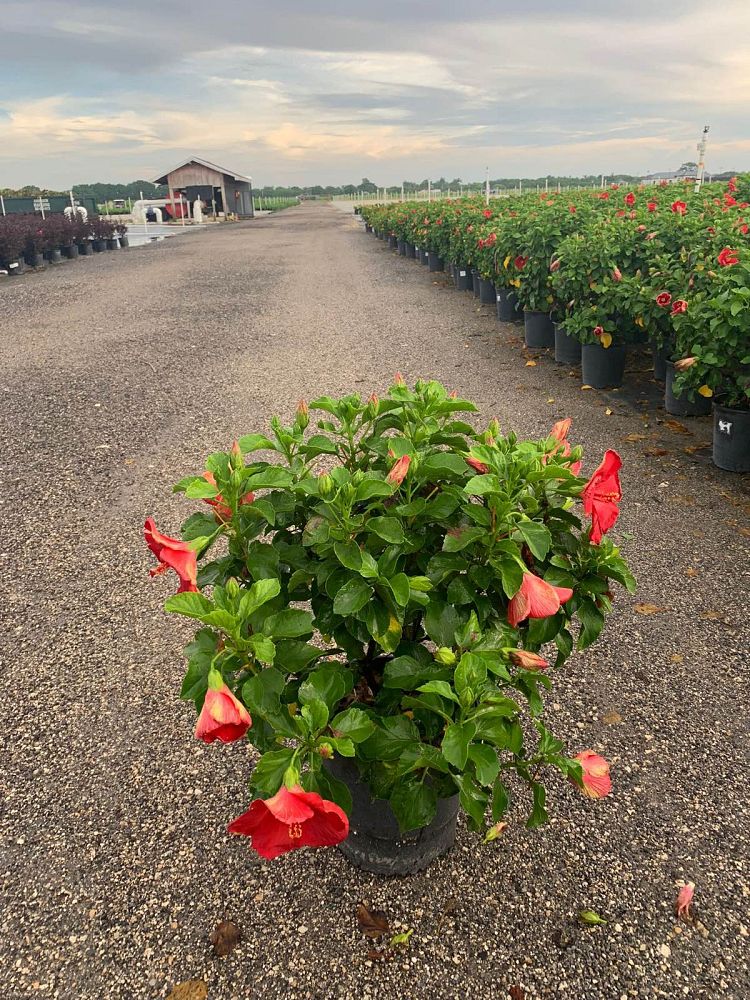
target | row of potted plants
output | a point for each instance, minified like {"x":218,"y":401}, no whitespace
{"x":29,"y":240}
{"x":593,"y":274}
{"x":382,"y":600}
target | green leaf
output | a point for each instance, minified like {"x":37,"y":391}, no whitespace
{"x":391,"y":738}
{"x":370,"y":488}
{"x":288,"y":624}
{"x":349,"y":555}
{"x":414,"y":804}
{"x":263,"y":648}
{"x":499,"y":800}
{"x":458,"y":538}
{"x":319,"y":444}
{"x":272,"y":478}
{"x":329,"y":787}
{"x":329,"y":683}
{"x":479,"y":486}
{"x":440,"y":622}
{"x":592,"y":620}
{"x":293,"y":656}
{"x":486,"y":764}
{"x":255,"y":442}
{"x":315,"y":713}
{"x":511,"y":576}
{"x":406,"y":673}
{"x":200,"y":653}
{"x":455,"y":745}
{"x":354,"y":723}
{"x":443,"y":465}
{"x":259,"y":594}
{"x":399,"y":584}
{"x":201,"y":489}
{"x":536,"y":536}
{"x":190,"y":604}
{"x":473,"y":799}
{"x":387,"y":528}
{"x":538,"y":814}
{"x":439,"y":687}
{"x":352,"y":597}
{"x":268,"y":775}
{"x":471,"y":673}
{"x":198,"y":526}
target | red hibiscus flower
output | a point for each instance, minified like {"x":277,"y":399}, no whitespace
{"x":604,"y":195}
{"x":652,"y":206}
{"x":487,"y":213}
{"x":555,"y":265}
{"x":291,"y":819}
{"x":601,"y":496}
{"x":616,"y":274}
{"x":630,"y":199}
{"x":744,"y":229}
{"x":398,"y":473}
{"x":520,"y":262}
{"x":679,"y":207}
{"x":481,"y":468}
{"x":663,"y":299}
{"x":536,"y":599}
{"x":529,"y":661}
{"x":729,"y":201}
{"x":480,"y":243}
{"x":572,"y":209}
{"x":561,"y":428}
{"x":595,"y":781}
{"x":620,"y":212}
{"x":491,"y":240}
{"x":727,"y":257}
{"x":598,"y":331}
{"x":560,"y":433}
{"x":732,"y":184}
{"x":679,"y":306}
{"x":172,"y":554}
{"x":223,"y":717}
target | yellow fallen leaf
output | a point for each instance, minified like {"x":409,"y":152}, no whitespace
{"x":506,"y":261}
{"x":706,"y":391}
{"x":636,"y":437}
{"x":611,"y":718}
{"x":677,"y":658}
{"x":531,"y":364}
{"x":712,"y":616}
{"x":648,"y":609}
{"x":587,"y":387}
{"x":551,"y":400}
{"x":691,"y":572}
{"x":606,"y":340}
{"x":191,"y":989}
{"x":608,"y":412}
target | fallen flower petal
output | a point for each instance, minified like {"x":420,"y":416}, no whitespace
{"x":595,"y":781}
{"x":684,"y":901}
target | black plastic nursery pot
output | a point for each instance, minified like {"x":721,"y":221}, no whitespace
{"x":659,"y":356}
{"x":99,"y":246}
{"x":393,"y":242}
{"x":486,"y":292}
{"x":567,"y":348}
{"x":409,"y":250}
{"x":475,"y":282}
{"x":15,"y":267}
{"x":375,"y":842}
{"x":538,"y":329}
{"x":85,"y":249}
{"x":434,"y":262}
{"x":463,"y":278}
{"x":507,"y":305}
{"x":682,"y":406}
{"x":425,"y":259}
{"x":125,"y":242}
{"x":53,"y":256}
{"x":401,"y":247}
{"x":731,"y":439}
{"x":113,"y":244}
{"x":34,"y":260}
{"x":70,"y":252}
{"x":368,"y":227}
{"x":602,"y":367}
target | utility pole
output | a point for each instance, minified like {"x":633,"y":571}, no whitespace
{"x":486,"y":185}
{"x":701,"y":159}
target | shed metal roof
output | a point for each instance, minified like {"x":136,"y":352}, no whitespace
{"x":204,"y":163}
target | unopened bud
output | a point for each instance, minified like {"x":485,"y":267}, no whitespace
{"x":232,"y":588}
{"x":326,"y":485}
{"x":235,"y":457}
{"x":325,"y":750}
{"x":495,"y":831}
{"x":684,"y":363}
{"x":373,"y":405}
{"x":303,"y":414}
{"x":398,"y":379}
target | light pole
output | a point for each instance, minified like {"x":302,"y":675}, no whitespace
{"x":701,"y":159}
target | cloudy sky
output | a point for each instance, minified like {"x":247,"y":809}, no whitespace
{"x":325,"y":91}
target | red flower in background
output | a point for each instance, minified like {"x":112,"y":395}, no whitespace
{"x":222,"y":511}
{"x":630,"y":199}
{"x":487,"y":213}
{"x":601,"y":496}
{"x":555,"y":265}
{"x":616,"y":274}
{"x":595,"y":782}
{"x":663,"y":299}
{"x":536,"y":599}
{"x":679,"y":207}
{"x":620,"y":212}
{"x":520,"y":262}
{"x":223,"y":717}
{"x":679,"y":306}
{"x":598,"y":331}
{"x":291,"y":819}
{"x":572,"y":209}
{"x":560,"y":433}
{"x":604,"y":195}
{"x":481,"y":468}
{"x":652,"y":206}
{"x":172,"y":554}
{"x":727,"y":257}
{"x":732,"y":184}
{"x":729,"y":201}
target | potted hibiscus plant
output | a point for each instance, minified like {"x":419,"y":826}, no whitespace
{"x":378,"y":607}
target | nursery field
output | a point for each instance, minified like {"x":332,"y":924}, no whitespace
{"x":117,"y":864}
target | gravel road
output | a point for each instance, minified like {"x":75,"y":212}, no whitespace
{"x":118,"y":375}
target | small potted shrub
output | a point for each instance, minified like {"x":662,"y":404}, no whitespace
{"x":377,"y":611}
{"x":13,"y":236}
{"x":121,"y":229}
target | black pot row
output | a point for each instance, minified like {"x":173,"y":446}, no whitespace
{"x":55,"y":256}
{"x":601,"y":368}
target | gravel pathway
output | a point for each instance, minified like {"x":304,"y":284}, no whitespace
{"x":119,"y":374}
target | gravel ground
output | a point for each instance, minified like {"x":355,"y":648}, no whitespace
{"x":119,"y":374}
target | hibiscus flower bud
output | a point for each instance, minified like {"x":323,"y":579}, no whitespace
{"x":232,"y":588}
{"x":445,"y":655}
{"x":684,"y":363}
{"x":223,"y":717}
{"x":236,"y":460}
{"x":303,"y":414}
{"x":326,"y":751}
{"x":480,"y":467}
{"x":527,"y":660}
{"x":555,"y":265}
{"x":595,"y":780}
{"x":616,"y":274}
{"x":398,"y":473}
{"x":398,"y":379}
{"x":326,"y":485}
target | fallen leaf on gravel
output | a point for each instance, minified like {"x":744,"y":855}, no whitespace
{"x":744,"y":531}
{"x":191,"y":989}
{"x":401,"y":940}
{"x":530,"y":364}
{"x":373,"y":924}
{"x":550,"y":400}
{"x":379,"y":956}
{"x":677,"y":427}
{"x":225,"y":938}
{"x":635,"y":437}
{"x":648,"y":609}
{"x":611,"y":717}
{"x":587,"y":387}
{"x":713,"y":616}
{"x":677,"y":658}
{"x":591,"y":918}
{"x":516,"y":993}
{"x":691,"y":572}
{"x":608,"y":412}
{"x":690,"y":449}
{"x":655,"y":452}
{"x":685,"y":498}
{"x":684,"y":901}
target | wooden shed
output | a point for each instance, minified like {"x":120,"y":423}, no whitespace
{"x":223,"y":191}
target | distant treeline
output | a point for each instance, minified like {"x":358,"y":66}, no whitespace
{"x":99,"y":192}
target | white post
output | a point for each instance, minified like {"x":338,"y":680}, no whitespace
{"x":2,"y":203}
{"x":145,"y":217}
{"x":429,"y":190}
{"x":546,"y":184}
{"x":701,"y":160}
{"x":72,"y":202}
{"x":486,"y":185}
{"x":41,"y":203}
{"x":182,"y":208}
{"x":402,"y":192}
